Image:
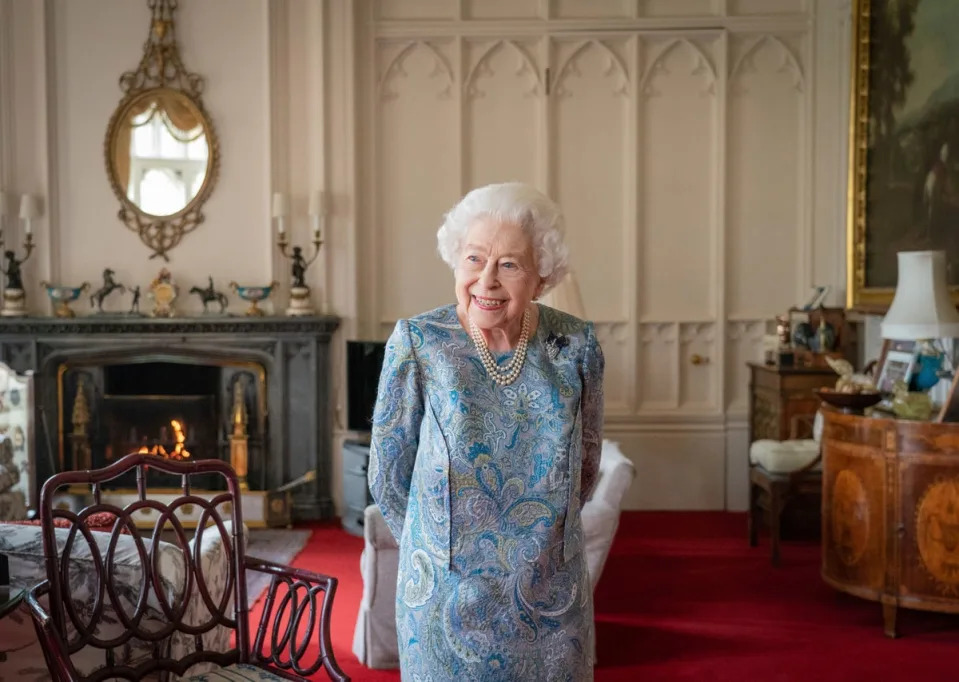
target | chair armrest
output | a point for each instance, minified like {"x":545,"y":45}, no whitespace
{"x":54,"y":648}
{"x":289,"y":637}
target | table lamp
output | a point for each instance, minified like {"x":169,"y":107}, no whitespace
{"x":565,"y":296}
{"x":922,"y":310}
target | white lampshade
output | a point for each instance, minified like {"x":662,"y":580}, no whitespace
{"x":921,"y":308}
{"x":280,"y":205}
{"x":29,"y":207}
{"x":317,"y":203}
{"x":565,"y":296}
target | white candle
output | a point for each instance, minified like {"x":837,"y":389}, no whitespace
{"x":280,"y":209}
{"x":29,"y":209}
{"x":280,"y":205}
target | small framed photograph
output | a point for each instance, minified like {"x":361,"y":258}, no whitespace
{"x":950,"y":408}
{"x":897,"y":365}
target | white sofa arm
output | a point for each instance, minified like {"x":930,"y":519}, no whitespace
{"x":375,"y":530}
{"x":374,"y":639}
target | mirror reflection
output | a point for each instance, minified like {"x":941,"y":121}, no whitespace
{"x":160,"y":152}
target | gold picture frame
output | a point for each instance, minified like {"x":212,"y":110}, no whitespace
{"x":896,"y":134}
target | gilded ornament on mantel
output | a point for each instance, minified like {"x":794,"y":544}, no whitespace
{"x":164,"y":291}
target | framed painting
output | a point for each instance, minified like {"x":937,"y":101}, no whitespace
{"x":903,"y":143}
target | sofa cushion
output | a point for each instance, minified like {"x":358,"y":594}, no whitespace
{"x":100,"y":522}
{"x":238,"y":672}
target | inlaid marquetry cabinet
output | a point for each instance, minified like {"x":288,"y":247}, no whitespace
{"x":890,"y":528}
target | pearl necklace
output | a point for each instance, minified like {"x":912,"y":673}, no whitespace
{"x":507,"y":374}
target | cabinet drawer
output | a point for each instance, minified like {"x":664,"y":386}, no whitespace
{"x":353,"y":521}
{"x":356,"y":491}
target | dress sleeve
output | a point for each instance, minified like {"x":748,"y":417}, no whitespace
{"x":592,"y":412}
{"x":396,"y":428}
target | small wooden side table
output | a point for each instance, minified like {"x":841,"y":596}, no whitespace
{"x":781,"y":396}
{"x":782,"y":406}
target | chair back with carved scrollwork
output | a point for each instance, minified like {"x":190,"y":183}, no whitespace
{"x":151,"y":583}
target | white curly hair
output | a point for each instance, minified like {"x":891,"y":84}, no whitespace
{"x":511,"y":202}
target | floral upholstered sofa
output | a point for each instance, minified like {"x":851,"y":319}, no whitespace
{"x":21,"y":657}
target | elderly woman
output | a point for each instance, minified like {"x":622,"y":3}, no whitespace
{"x":486,"y":442}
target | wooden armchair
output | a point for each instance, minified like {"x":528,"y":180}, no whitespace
{"x":779,"y":471}
{"x":166,"y":579}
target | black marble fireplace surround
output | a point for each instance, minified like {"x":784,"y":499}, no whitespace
{"x":185,"y":367}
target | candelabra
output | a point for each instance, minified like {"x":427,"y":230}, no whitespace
{"x":14,"y":297}
{"x":300,"y":303}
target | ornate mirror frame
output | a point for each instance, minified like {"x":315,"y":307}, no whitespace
{"x":161,"y":69}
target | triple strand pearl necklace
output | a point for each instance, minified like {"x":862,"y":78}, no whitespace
{"x":507,"y":374}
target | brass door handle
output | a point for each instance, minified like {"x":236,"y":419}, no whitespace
{"x":698,"y":359}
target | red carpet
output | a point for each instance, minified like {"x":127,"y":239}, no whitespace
{"x":683,"y":597}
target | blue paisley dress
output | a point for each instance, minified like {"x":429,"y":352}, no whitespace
{"x":482,"y":486}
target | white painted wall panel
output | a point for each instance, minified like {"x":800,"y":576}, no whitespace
{"x":415,"y":9}
{"x":590,"y":93}
{"x":503,"y":99}
{"x":417,"y":175}
{"x":765,"y":168}
{"x":677,"y":145}
{"x":577,"y":9}
{"x":502,"y":9}
{"x":767,"y":6}
{"x":677,"y":8}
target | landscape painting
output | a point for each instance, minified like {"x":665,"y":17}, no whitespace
{"x":905,"y":134}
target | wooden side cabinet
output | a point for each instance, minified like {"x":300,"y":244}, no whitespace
{"x":777,"y":395}
{"x":891,"y":512}
{"x":356,"y":490}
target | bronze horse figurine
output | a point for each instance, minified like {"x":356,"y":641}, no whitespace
{"x":109,"y":285}
{"x":210,"y":294}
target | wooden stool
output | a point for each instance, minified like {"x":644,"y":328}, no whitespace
{"x":778,"y":471}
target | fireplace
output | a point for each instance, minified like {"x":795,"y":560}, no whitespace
{"x":182,"y":409}
{"x":259,"y":386}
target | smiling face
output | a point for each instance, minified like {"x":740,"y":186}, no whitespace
{"x":496,"y":275}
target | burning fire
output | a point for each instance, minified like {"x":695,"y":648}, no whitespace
{"x":178,"y":452}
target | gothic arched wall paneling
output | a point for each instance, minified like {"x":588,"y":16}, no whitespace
{"x":677,"y":137}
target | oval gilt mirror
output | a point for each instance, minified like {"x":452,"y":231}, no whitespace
{"x":161,"y":150}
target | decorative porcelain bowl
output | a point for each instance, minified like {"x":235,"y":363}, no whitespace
{"x":62,"y":296}
{"x":850,"y":403}
{"x":254,"y":295}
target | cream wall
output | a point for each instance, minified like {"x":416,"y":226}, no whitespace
{"x":289,"y":90}
{"x":67,"y":57}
